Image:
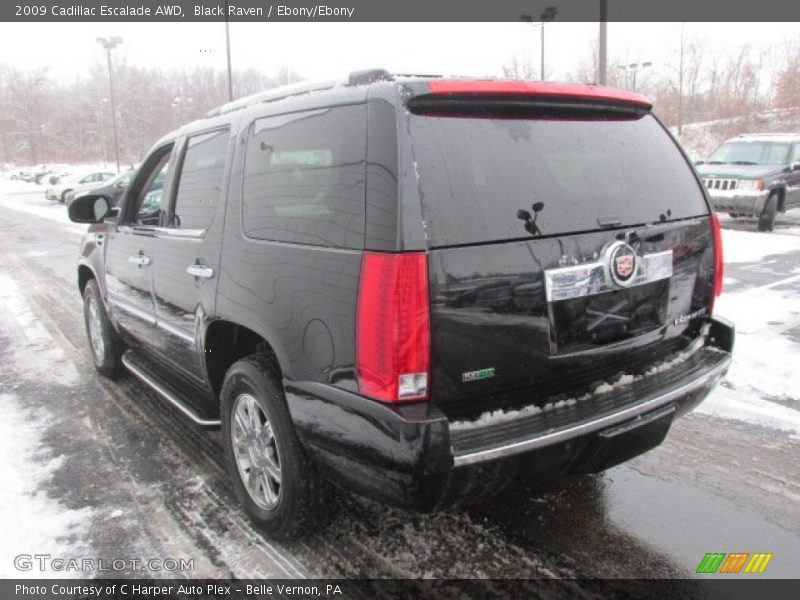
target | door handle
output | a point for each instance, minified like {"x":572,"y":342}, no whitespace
{"x":203,"y":271}
{"x":139,"y":259}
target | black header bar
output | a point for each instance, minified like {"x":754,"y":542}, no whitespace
{"x":397,"y":10}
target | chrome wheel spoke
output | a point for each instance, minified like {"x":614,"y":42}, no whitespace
{"x":252,"y":413}
{"x":273,"y":468}
{"x":271,"y":490}
{"x":241,"y":422}
{"x":253,"y":481}
{"x":266,"y":436}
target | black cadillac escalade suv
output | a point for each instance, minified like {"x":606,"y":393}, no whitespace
{"x":407,"y":285}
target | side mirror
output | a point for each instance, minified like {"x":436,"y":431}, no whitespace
{"x":796,"y":165}
{"x":89,"y":209}
{"x":119,"y":185}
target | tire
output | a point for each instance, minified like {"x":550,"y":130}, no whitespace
{"x":63,"y":199}
{"x":766,"y":222}
{"x":298,"y":501}
{"x":104,"y":342}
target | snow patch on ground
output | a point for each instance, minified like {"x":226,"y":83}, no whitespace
{"x":37,"y":356}
{"x":39,"y":206}
{"x":752,"y":246}
{"x":765,"y":360}
{"x":11,"y":186}
{"x":31,"y":522}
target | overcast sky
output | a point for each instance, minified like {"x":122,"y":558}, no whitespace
{"x":328,"y":50}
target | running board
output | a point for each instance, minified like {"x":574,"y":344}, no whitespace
{"x":137,"y":368}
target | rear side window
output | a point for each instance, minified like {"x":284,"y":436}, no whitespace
{"x":304,"y":178}
{"x":480,"y":177}
{"x":200,"y":180}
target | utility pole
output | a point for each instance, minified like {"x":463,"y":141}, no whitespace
{"x":680,"y":86}
{"x":603,"y":43}
{"x":228,"y":51}
{"x":108,"y":45}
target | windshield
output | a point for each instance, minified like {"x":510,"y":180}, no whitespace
{"x":751,"y":153}
{"x":122,"y":178}
{"x":490,"y":179}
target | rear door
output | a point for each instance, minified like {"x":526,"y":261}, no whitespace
{"x":565,"y":244}
{"x":186,"y":251}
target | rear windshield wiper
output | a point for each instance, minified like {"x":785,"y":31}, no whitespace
{"x":716,"y":162}
{"x":743,"y":162}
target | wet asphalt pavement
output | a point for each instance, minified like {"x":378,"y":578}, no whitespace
{"x":157,"y":486}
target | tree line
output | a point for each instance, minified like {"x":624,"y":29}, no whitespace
{"x":46,"y":118}
{"x":699,"y":82}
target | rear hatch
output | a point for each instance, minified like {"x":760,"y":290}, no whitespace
{"x":569,"y":242}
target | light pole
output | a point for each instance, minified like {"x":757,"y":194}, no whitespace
{"x":633,"y":68}
{"x":108,"y":45}
{"x":602,"y":43}
{"x":38,"y":116}
{"x":680,"y":86}
{"x":180,"y":102}
{"x":547,"y":16}
{"x":228,"y":53}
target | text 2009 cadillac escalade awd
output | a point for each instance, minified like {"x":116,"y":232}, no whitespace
{"x":409,"y":285}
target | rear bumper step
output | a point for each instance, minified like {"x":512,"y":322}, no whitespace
{"x":679,"y":389}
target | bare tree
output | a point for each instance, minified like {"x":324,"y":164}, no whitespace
{"x":44,"y":120}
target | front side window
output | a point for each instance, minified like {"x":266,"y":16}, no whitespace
{"x":304,"y":178}
{"x":200,"y":180}
{"x":150,"y":197}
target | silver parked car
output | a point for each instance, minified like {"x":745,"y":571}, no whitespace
{"x":58,"y":189}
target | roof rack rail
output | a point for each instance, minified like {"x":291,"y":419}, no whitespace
{"x":278,"y":93}
{"x":367,"y":76}
{"x":363,"y":77}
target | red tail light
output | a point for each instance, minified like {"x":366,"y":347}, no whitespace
{"x":716,"y":232}
{"x":393,"y":334}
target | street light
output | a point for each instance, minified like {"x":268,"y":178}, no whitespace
{"x":547,"y":16}
{"x":633,"y":68}
{"x":108,"y":45}
{"x":180,"y":102}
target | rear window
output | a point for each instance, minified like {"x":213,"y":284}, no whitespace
{"x":200,"y":179}
{"x":304,"y":178}
{"x":479,"y":178}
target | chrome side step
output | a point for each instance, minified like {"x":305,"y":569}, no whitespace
{"x":133,"y":365}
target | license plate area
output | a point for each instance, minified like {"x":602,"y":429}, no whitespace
{"x":589,"y":321}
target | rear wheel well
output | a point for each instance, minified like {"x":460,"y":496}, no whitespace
{"x":85,"y":274}
{"x":227,"y":342}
